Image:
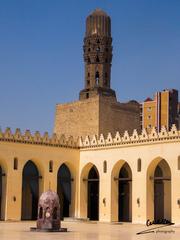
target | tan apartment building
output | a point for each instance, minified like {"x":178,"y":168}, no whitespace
{"x":160,"y":111}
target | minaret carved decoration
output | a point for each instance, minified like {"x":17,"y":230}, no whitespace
{"x":97,"y":56}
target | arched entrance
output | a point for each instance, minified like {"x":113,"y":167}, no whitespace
{"x":125,"y":193}
{"x":93,"y":194}
{"x":162,"y":188}
{"x":0,"y":192}
{"x":159,"y":191}
{"x":64,"y":190}
{"x":30,"y":191}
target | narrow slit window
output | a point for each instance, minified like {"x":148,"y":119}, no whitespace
{"x":51,"y":166}
{"x":178,"y":162}
{"x":139,"y":165}
{"x":15,"y":164}
{"x":105,"y":166}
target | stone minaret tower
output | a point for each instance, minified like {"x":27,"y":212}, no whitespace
{"x":97,"y":56}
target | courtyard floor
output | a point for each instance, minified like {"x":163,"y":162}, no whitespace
{"x":88,"y":230}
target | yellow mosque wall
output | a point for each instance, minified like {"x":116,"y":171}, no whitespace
{"x":152,"y":149}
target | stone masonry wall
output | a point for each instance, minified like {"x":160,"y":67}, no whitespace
{"x":95,"y":116}
{"x":77,"y":118}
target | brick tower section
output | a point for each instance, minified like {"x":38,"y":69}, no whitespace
{"x":97,"y":110}
{"x":97,"y":56}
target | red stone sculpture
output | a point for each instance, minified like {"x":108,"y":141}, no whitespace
{"x":49,"y":213}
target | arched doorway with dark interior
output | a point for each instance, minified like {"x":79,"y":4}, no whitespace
{"x":64,"y":190}
{"x":30,"y":191}
{"x":93,"y":194}
{"x":0,"y":192}
{"x":125,"y":194}
{"x":162,"y":192}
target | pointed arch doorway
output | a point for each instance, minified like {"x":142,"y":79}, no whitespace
{"x":30,"y":191}
{"x":0,"y":192}
{"x":64,"y":190}
{"x":125,"y":194}
{"x":162,"y":191}
{"x":93,"y":194}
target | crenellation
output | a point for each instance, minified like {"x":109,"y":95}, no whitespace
{"x":101,"y":140}
{"x":29,"y":138}
{"x":90,"y":141}
{"x":109,"y":139}
{"x":135,"y":138}
{"x":126,"y":137}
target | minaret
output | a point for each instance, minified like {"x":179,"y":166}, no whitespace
{"x":97,"y":56}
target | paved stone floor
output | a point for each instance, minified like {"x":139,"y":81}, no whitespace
{"x":89,"y":231}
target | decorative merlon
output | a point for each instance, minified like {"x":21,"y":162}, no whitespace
{"x":126,"y":138}
{"x":37,"y":138}
{"x":90,"y":142}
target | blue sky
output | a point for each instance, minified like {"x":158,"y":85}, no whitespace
{"x":41,"y":62}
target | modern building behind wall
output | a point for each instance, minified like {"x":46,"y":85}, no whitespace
{"x":115,"y":176}
{"x":160,"y":111}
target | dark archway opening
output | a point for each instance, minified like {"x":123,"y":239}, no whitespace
{"x":125,"y":201}
{"x":93,"y":194}
{"x":30,"y":191}
{"x":0,"y":192}
{"x":64,"y":190}
{"x":158,"y":194}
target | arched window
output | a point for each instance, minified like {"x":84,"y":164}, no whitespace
{"x":15,"y":164}
{"x":97,"y":59}
{"x":40,"y":212}
{"x":139,"y":165}
{"x":105,"y":166}
{"x":51,"y":166}
{"x":55,"y":213}
{"x":97,"y":77}
{"x":178,"y":162}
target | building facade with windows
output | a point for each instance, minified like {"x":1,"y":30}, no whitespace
{"x":160,"y":111}
{"x":107,"y":170}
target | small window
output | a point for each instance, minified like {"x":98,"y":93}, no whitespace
{"x":87,"y":95}
{"x":178,"y":162}
{"x":15,"y":163}
{"x":88,"y":82}
{"x":139,"y":165}
{"x":149,"y":126}
{"x":105,"y":167}
{"x":149,"y":109}
{"x":89,"y":61}
{"x":51,"y":166}
{"x":88,"y":74}
{"x":40,"y":213}
{"x":149,"y":117}
{"x":89,"y":49}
